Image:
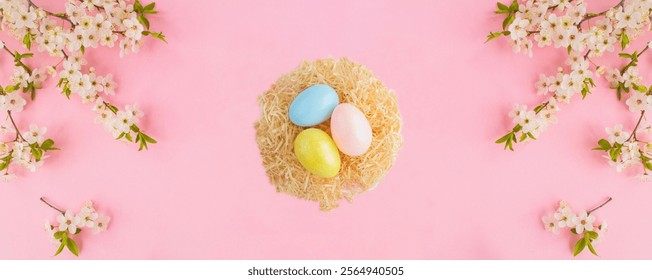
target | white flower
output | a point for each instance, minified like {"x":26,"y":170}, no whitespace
{"x":645,"y":177}
{"x":613,"y":77}
{"x":551,"y":224}
{"x":516,"y":113}
{"x":616,"y":134}
{"x":134,"y":30}
{"x":108,"y":85}
{"x":49,"y":230}
{"x":123,"y":121}
{"x":543,"y":85}
{"x":6,"y":177}
{"x":639,"y":102}
{"x":134,"y":110}
{"x":628,"y":18}
{"x":631,"y":76}
{"x":35,"y":134}
{"x":38,"y":76}
{"x":565,"y":218}
{"x":583,"y":222}
{"x":602,"y":229}
{"x":543,"y":38}
{"x":548,"y":116}
{"x":69,"y":222}
{"x":12,"y":102}
{"x":529,"y":122}
{"x":88,"y":216}
{"x":101,"y":223}
{"x":24,"y":18}
{"x":600,"y":71}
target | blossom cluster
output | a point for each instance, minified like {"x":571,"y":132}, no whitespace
{"x":28,"y":149}
{"x":624,"y":150}
{"x":582,"y":223}
{"x":560,"y":88}
{"x":68,"y":35}
{"x":570,"y":25}
{"x":70,"y":224}
{"x":559,"y":23}
{"x":90,"y":23}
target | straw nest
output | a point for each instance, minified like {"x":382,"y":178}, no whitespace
{"x":275,"y":133}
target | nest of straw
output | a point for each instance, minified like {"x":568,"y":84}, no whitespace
{"x":275,"y":133}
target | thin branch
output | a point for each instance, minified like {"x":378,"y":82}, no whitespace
{"x":51,"y":206}
{"x":599,"y":206}
{"x":61,"y":16}
{"x":15,"y":127}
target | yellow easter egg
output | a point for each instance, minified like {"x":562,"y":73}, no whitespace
{"x":317,"y":152}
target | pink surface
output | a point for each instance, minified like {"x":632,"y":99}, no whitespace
{"x":201,"y":193}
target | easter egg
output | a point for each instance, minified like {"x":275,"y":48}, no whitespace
{"x":350,"y":129}
{"x":313,"y":106}
{"x":317,"y":153}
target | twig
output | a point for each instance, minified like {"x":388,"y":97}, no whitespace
{"x":599,"y":206}
{"x":15,"y":127}
{"x":51,"y":206}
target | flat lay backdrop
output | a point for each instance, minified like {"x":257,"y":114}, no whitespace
{"x":201,"y":193}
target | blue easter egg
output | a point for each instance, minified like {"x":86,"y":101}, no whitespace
{"x":314,"y":105}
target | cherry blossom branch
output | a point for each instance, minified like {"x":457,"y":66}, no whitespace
{"x":18,"y":61}
{"x":590,"y":16}
{"x":18,"y":134}
{"x":636,"y":127}
{"x":599,"y":206}
{"x":52,"y":206}
{"x":60,"y":16}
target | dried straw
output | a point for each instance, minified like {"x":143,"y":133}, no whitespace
{"x":275,"y":133}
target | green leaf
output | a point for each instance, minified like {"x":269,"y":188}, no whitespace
{"x":48,"y":145}
{"x":61,"y":246}
{"x":508,"y":20}
{"x":615,"y":152}
{"x":27,"y":40}
{"x":591,"y":234}
{"x":60,"y":234}
{"x":517,"y":128}
{"x":32,"y":90}
{"x":647,"y":164}
{"x":148,"y":139}
{"x":592,"y":249}
{"x":128,"y":137}
{"x":137,"y":6}
{"x":624,"y":40}
{"x":514,"y":6}
{"x":579,"y":246}
{"x":604,"y":145}
{"x":143,"y":144}
{"x":36,"y":151}
{"x":143,"y":20}
{"x":157,"y":35}
{"x":493,"y":35}
{"x":150,"y":6}
{"x":502,"y":7}
{"x":72,"y":246}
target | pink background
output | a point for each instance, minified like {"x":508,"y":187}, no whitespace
{"x":201,"y":193}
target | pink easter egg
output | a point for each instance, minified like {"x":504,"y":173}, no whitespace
{"x":350,"y":130}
